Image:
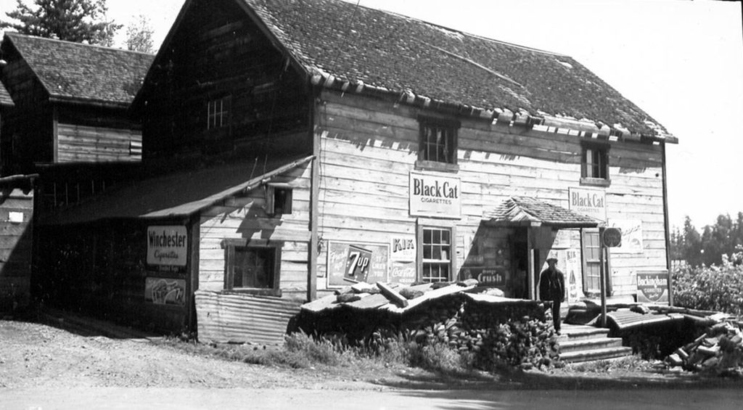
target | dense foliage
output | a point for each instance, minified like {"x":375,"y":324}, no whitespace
{"x":714,"y":288}
{"x":81,"y":21}
{"x":723,"y":239}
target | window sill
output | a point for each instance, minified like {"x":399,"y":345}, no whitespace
{"x":595,"y":182}
{"x":255,"y":291}
{"x":436,"y":166}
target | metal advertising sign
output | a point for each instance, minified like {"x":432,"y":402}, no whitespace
{"x":161,"y":291}
{"x":357,"y":262}
{"x":491,"y":277}
{"x":435,"y":195}
{"x":652,"y":286}
{"x":631,"y":235}
{"x":590,"y":202}
{"x":167,"y":248}
{"x":612,"y":237}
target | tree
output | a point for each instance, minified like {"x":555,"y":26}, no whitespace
{"x":139,"y":35}
{"x":81,"y":21}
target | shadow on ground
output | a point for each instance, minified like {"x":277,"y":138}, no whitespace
{"x":537,"y":380}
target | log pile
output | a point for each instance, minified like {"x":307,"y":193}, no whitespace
{"x":718,"y":350}
{"x":496,"y":330}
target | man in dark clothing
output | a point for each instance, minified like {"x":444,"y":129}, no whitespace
{"x":552,"y":287}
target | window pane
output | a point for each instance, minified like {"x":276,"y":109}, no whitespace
{"x":436,"y":252}
{"x":436,"y":236}
{"x":426,"y":236}
{"x":445,"y":237}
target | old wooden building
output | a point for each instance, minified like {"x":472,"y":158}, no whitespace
{"x":293,"y":147}
{"x":69,"y":122}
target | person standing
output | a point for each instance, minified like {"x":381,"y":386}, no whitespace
{"x":552,"y":288}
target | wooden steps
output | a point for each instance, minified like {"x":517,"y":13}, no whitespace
{"x":587,"y":343}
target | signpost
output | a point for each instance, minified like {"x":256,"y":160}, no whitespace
{"x":610,"y":238}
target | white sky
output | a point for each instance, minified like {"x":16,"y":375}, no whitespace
{"x":680,"y":61}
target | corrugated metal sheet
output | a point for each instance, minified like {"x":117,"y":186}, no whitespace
{"x":626,"y":319}
{"x":243,"y":318}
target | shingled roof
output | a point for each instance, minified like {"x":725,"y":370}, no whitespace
{"x":346,"y":46}
{"x":80,"y":72}
{"x":525,"y":211}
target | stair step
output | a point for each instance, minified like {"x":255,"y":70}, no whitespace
{"x":589,"y":344}
{"x":598,"y":354}
{"x":584,"y":332}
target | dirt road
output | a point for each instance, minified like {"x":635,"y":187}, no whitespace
{"x":43,"y":368}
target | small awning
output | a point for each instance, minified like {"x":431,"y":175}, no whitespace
{"x":530,"y":212}
{"x":175,"y":195}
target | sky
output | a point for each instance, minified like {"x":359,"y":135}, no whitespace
{"x":680,"y":61}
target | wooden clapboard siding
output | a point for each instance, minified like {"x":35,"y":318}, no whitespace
{"x":369,"y":147}
{"x":244,"y":217}
{"x":79,"y":143}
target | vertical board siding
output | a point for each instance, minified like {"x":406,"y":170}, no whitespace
{"x":79,"y":143}
{"x":243,"y":318}
{"x":15,"y":250}
{"x":370,"y":146}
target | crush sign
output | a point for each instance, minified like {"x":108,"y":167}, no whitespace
{"x":167,"y":247}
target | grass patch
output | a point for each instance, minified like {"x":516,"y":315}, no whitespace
{"x":633,"y":363}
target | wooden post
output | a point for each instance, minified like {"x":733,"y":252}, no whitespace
{"x":531,"y":274}
{"x":602,"y":277}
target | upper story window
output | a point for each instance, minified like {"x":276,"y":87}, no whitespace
{"x":218,"y":113}
{"x":278,"y":199}
{"x":438,"y":144}
{"x":595,"y":165}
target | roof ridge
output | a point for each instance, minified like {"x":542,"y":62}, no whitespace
{"x":74,"y":43}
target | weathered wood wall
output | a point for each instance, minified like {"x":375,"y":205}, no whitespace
{"x":245,"y":218}
{"x":16,"y":240}
{"x":79,"y":143}
{"x":27,"y":127}
{"x":370,"y":146}
{"x":218,"y":53}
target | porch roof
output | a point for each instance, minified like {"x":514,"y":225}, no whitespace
{"x":172,"y":196}
{"x":531,"y":212}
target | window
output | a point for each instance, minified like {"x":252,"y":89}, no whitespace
{"x":595,"y":164}
{"x":592,"y":263}
{"x":278,"y":199}
{"x":436,"y":250}
{"x":253,"y":268}
{"x":218,"y":113}
{"x":438,"y":144}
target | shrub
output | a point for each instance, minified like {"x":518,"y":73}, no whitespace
{"x":709,"y":288}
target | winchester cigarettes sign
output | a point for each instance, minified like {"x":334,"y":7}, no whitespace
{"x":167,"y":247}
{"x":590,"y":202}
{"x":435,"y":195}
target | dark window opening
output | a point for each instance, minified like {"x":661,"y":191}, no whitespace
{"x":438,"y":141}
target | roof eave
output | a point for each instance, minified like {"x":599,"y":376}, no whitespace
{"x":88,"y":101}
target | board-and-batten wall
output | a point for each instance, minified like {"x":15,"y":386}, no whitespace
{"x":369,"y":147}
{"x":79,"y":143}
{"x":245,"y":217}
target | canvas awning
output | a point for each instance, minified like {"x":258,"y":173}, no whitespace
{"x":530,"y":212}
{"x":174,"y":195}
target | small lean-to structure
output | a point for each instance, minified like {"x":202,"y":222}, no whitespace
{"x":426,"y":155}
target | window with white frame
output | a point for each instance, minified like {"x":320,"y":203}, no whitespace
{"x":436,"y":246}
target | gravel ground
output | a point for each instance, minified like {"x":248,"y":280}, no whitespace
{"x":34,"y":355}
